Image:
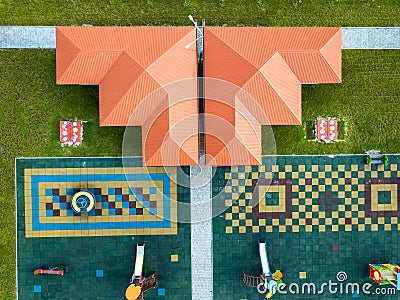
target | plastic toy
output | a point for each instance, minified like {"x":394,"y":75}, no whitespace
{"x":70,"y":133}
{"x":267,"y":282}
{"x":326,"y":130}
{"x":52,"y":271}
{"x":139,"y":284}
{"x":375,"y":157}
{"x":385,"y":274}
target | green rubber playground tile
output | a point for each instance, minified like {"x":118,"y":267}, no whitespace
{"x":82,"y":256}
{"x":310,"y":252}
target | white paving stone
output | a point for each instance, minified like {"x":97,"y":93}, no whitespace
{"x":201,"y":232}
{"x":371,"y":38}
{"x":26,"y":37}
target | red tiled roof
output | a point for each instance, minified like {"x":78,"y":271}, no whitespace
{"x":129,"y":64}
{"x":268,"y":65}
{"x":265,"y":66}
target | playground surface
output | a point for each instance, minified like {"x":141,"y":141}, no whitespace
{"x":98,"y":250}
{"x":321,"y":215}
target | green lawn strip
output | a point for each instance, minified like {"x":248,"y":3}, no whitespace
{"x":367,"y":100}
{"x":216,"y":12}
{"x":31,"y":107}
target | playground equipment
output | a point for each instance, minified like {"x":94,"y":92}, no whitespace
{"x":83,"y":201}
{"x":385,"y":274}
{"x":70,"y":133}
{"x":267,"y":282}
{"x":375,"y":157}
{"x":326,"y":130}
{"x":139,"y":284}
{"x":52,"y":271}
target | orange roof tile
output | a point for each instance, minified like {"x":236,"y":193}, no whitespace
{"x":129,"y":64}
{"x":268,"y":65}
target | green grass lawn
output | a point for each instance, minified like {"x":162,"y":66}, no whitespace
{"x":31,"y":107}
{"x":216,"y":12}
{"x":367,"y":100}
{"x":31,"y":104}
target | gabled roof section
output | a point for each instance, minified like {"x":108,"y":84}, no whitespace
{"x":128,"y":63}
{"x":268,"y":65}
{"x":131,"y":64}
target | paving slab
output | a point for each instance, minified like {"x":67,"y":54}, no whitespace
{"x":28,"y":37}
{"x":371,"y":38}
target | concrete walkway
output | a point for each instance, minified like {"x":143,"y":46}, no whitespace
{"x":25,"y":37}
{"x":352,"y":37}
{"x":371,"y":38}
{"x":201,"y":232}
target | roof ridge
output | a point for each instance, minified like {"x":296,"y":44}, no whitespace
{"x":128,"y":89}
{"x":231,"y":145}
{"x":167,"y":52}
{"x":234,"y":51}
{"x":322,"y":50}
{"x":281,"y":97}
{"x":75,"y":47}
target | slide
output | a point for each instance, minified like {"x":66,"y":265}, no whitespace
{"x":139,"y":261}
{"x":49,"y":272}
{"x":398,"y":281}
{"x":266,"y":271}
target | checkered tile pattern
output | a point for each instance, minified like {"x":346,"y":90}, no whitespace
{"x":310,"y":198}
{"x":109,"y":201}
{"x":141,"y":201}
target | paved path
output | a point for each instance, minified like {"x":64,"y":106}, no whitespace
{"x":352,"y":37}
{"x":201,"y":233}
{"x":371,"y":38}
{"x":28,"y":37}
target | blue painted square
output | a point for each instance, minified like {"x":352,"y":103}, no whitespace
{"x":161,"y":292}
{"x":153,"y":190}
{"x":146,"y":204}
{"x":132,"y":211}
{"x":125,"y":204}
{"x":104,"y":204}
{"x":63,"y":205}
{"x":111,"y":191}
{"x":153,"y":211}
{"x":37,"y":225}
{"x":132,"y":191}
{"x":111,"y":212}
{"x":37,"y":288}
{"x":118,"y":198}
{"x":56,"y":199}
{"x":99,"y":273}
{"x":49,"y":213}
{"x":139,"y":197}
{"x":48,"y":192}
